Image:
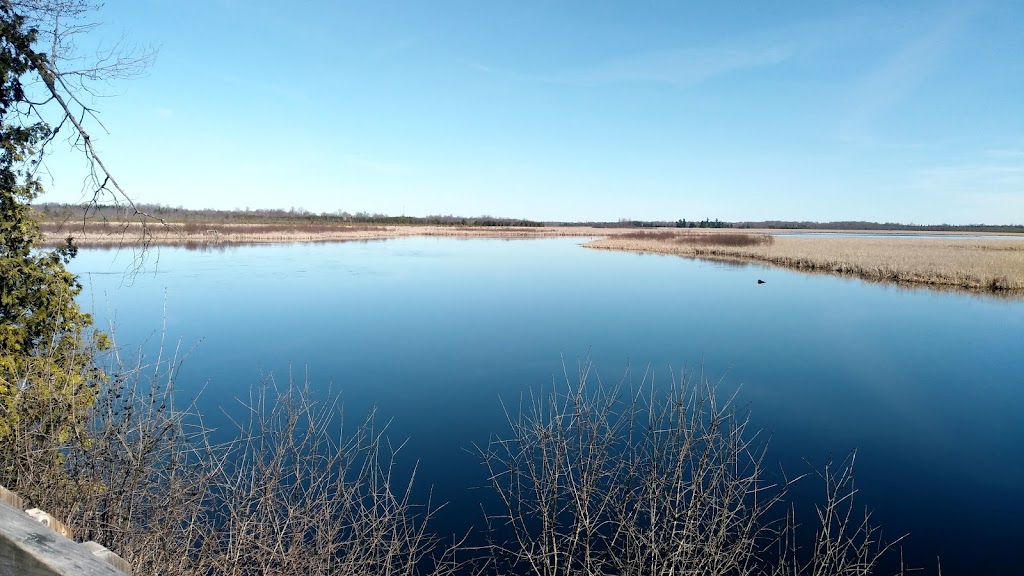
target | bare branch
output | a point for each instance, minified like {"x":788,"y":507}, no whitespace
{"x":72,"y":79}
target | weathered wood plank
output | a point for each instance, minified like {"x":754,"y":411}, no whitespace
{"x":11,"y":498}
{"x":28,"y":548}
{"x":101,"y":552}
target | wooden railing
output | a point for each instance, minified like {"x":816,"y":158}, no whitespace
{"x":34,"y":543}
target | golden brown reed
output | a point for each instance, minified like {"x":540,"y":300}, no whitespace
{"x":119,"y":233}
{"x":976,"y":265}
{"x":694,"y":238}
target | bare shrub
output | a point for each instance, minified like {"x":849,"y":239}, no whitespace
{"x":292,"y":491}
{"x":617,"y":480}
{"x":845,"y":542}
{"x":297,"y":498}
{"x":134,"y":478}
{"x":591,"y":479}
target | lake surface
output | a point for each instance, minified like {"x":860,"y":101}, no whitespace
{"x":928,"y":386}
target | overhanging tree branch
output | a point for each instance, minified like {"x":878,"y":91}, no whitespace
{"x":65,"y":75}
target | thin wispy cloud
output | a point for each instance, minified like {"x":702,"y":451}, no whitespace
{"x":900,"y":75}
{"x":995,"y":173}
{"x":678,"y":68}
{"x":1006,"y":154}
{"x":982,"y":191}
{"x":982,"y":205}
{"x":974,"y":177}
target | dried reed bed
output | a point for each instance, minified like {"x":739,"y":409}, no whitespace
{"x":120,"y":233}
{"x":976,"y":265}
{"x":701,"y":238}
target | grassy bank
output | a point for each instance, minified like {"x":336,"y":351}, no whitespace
{"x":119,"y":233}
{"x":975,"y":265}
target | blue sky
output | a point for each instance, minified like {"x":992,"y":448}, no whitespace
{"x":819,"y":110}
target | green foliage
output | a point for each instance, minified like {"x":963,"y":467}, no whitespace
{"x":47,"y":374}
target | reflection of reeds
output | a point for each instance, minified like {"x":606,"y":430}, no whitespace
{"x":978,"y":265}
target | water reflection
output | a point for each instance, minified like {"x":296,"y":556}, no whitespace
{"x":439,"y":334}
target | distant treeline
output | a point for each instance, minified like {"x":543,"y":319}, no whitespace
{"x":626,"y":223}
{"x":800,"y":225}
{"x":861,"y":225}
{"x":54,"y":211}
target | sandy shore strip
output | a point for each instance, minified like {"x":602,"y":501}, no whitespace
{"x":965,"y":264}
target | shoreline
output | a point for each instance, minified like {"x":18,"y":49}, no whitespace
{"x":103,"y":234}
{"x":98,"y":233}
{"x":973,"y":265}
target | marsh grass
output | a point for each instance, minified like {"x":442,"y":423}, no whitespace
{"x":118,"y":234}
{"x":972,"y":265}
{"x":105,"y":233}
{"x":701,"y":238}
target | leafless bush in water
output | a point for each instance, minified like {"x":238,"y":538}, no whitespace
{"x":298,"y":499}
{"x":289,"y":493}
{"x":615,"y":480}
{"x":845,"y":541}
{"x":135,"y":477}
{"x":591,"y":479}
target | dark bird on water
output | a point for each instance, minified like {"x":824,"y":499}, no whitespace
{"x":759,"y":281}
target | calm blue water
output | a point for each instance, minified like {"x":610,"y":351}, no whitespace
{"x":928,"y":386}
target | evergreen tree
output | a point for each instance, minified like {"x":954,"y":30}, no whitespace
{"x":47,"y":373}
